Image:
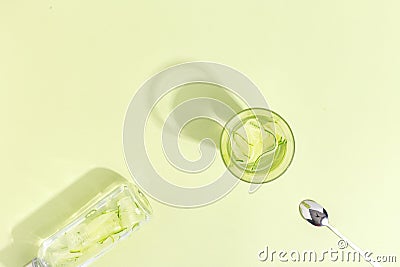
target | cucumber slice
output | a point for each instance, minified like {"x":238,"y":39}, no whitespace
{"x":129,"y":213}
{"x":77,"y":238}
{"x":103,"y":226}
{"x":64,"y":257}
{"x":248,"y":142}
{"x":86,"y":234}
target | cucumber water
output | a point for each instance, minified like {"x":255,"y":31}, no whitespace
{"x":96,"y":230}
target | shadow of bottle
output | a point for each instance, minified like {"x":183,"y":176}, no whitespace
{"x":51,"y":216}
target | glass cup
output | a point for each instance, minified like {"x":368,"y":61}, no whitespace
{"x":257,"y":145}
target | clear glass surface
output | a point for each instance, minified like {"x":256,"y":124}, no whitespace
{"x":257,"y":145}
{"x":106,"y":220}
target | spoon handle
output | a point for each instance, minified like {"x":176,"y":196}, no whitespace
{"x":352,"y":245}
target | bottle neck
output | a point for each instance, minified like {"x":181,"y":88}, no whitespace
{"x":35,"y":263}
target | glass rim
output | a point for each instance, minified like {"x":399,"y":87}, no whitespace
{"x":244,"y":172}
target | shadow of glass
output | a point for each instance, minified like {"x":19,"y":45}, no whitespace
{"x":50,"y":217}
{"x":197,"y":111}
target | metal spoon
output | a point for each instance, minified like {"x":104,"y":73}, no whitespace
{"x":315,"y":214}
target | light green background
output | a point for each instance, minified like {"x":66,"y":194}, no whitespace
{"x":68,"y":70}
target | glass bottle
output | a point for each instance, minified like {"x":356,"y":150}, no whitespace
{"x":100,"y":224}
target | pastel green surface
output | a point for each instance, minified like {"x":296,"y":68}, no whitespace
{"x":68,"y":70}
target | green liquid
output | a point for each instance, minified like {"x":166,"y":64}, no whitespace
{"x":257,"y":145}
